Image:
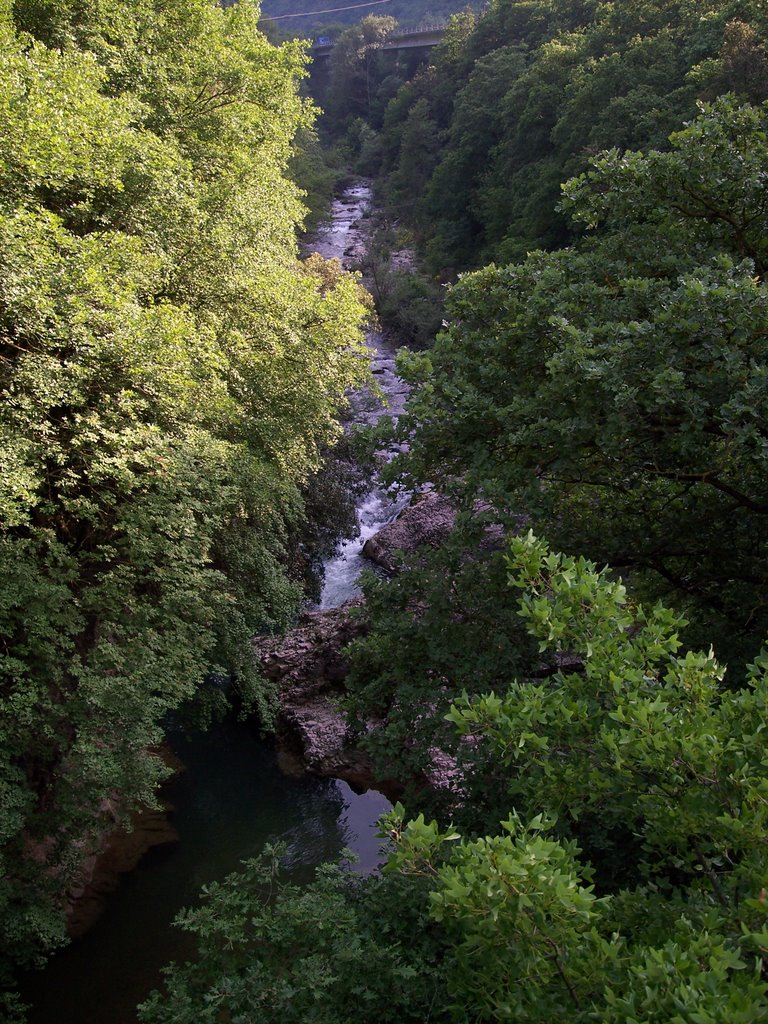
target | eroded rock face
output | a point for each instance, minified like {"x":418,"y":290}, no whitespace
{"x":426,"y":521}
{"x":310,"y":655}
{"x":313,"y":736}
{"x":117,"y":852}
{"x":309,"y":665}
{"x":122,"y":851}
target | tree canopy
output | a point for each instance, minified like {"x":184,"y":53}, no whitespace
{"x":170,"y":372}
{"x":520,"y":97}
{"x":613,"y":393}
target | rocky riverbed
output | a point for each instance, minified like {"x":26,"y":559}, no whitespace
{"x":309,"y":664}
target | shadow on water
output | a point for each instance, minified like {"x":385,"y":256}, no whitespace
{"x":231,"y":799}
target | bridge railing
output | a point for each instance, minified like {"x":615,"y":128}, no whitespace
{"x":419,"y":30}
{"x":324,"y":43}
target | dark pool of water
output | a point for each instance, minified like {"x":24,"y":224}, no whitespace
{"x":231,"y":799}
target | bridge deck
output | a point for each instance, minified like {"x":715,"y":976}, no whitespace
{"x":424,"y":35}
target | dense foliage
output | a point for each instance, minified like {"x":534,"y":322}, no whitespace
{"x":615,"y":393}
{"x":474,"y":148}
{"x":638,"y":748}
{"x":339,"y":950}
{"x":170,"y":372}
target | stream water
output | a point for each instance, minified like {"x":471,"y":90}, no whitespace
{"x":343,"y":237}
{"x":232,"y":796}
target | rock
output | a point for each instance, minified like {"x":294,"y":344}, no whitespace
{"x":122,"y":851}
{"x":444,"y":775}
{"x":117,"y":853}
{"x":310,"y":655}
{"x":403,"y":260}
{"x":427,"y":520}
{"x":313,"y":736}
{"x":309,"y":665}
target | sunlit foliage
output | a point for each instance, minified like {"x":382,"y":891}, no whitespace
{"x":170,"y":371}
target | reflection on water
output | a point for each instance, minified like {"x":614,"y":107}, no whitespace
{"x":231,"y":799}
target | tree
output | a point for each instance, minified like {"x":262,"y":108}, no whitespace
{"x":338,"y":949}
{"x":418,"y":146}
{"x":637,"y":739}
{"x":452,"y":195}
{"x":170,"y":374}
{"x":354,"y":73}
{"x":615,"y":392}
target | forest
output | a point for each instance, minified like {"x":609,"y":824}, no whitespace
{"x":582,"y":185}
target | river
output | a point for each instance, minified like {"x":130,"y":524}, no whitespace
{"x":343,"y":237}
{"x":232,"y":797}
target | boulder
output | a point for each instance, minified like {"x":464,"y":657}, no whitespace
{"x":427,"y":520}
{"x":309,"y":666}
{"x":313,"y":737}
{"x":309,"y":658}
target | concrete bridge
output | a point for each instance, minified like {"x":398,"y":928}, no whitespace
{"x":403,"y":39}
